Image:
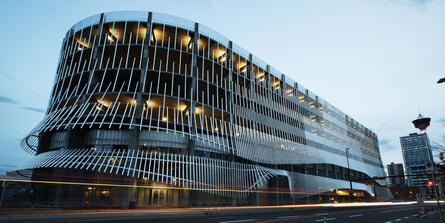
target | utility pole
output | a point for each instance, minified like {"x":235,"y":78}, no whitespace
{"x":435,"y":186}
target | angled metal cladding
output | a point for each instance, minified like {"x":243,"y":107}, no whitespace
{"x":156,"y":97}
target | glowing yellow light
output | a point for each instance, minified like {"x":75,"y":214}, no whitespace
{"x":182,"y":107}
{"x":201,"y":43}
{"x":237,"y":134}
{"x":142,"y":31}
{"x":220,"y":53}
{"x":157,"y":34}
{"x":221,"y":56}
{"x":342,"y":192}
{"x":242,"y":66}
{"x":79,"y":48}
{"x":262,"y":79}
{"x":151,"y":103}
{"x":164,"y":119}
{"x":83,"y":44}
{"x":198,"y":110}
{"x":104,"y":103}
{"x":216,"y":129}
{"x":187,"y":113}
{"x":186,"y":41}
{"x":112,"y":34}
{"x":281,"y":145}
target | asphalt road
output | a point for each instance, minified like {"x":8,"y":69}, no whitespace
{"x":371,"y":214}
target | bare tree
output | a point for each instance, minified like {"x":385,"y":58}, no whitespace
{"x":441,"y":147}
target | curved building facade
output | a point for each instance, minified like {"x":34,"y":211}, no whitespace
{"x":144,"y":98}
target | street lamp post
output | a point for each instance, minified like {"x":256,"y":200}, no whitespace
{"x":349,"y":174}
{"x":434,"y":182}
{"x":442,"y":80}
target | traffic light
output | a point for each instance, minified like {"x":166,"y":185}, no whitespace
{"x":430,"y":183}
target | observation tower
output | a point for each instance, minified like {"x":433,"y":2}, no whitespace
{"x":421,"y":123}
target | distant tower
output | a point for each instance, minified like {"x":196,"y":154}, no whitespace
{"x":421,"y":123}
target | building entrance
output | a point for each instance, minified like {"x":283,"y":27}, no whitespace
{"x":159,"y":198}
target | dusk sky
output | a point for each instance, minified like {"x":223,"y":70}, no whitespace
{"x":376,"y":60}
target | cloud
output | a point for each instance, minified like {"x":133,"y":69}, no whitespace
{"x":418,"y":5}
{"x":6,"y":76}
{"x":33,"y":109}
{"x":412,"y":2}
{"x":441,"y":121}
{"x":419,"y":1}
{"x":386,"y":126}
{"x":4,"y":168}
{"x":383,"y":142}
{"x":7,"y":100}
{"x":436,"y":146}
{"x":387,"y":145}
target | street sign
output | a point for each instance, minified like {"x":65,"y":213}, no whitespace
{"x":420,"y":198}
{"x":429,"y":166}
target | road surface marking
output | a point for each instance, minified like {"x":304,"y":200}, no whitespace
{"x":398,"y":219}
{"x":401,"y":209}
{"x":220,"y":217}
{"x":325,"y":219}
{"x":292,"y":216}
{"x":320,"y":214}
{"x":422,"y":216}
{"x":406,"y":217}
{"x":387,"y":222}
{"x":356,"y":215}
{"x":428,"y":214}
{"x":234,"y":221}
{"x":415,"y":215}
